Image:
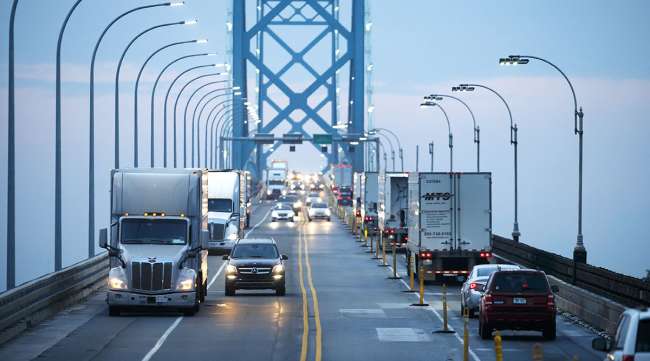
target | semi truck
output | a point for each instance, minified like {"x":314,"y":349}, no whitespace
{"x":450,"y":223}
{"x":158,"y":239}
{"x":342,"y":183}
{"x":366,"y":195}
{"x":276,"y":182}
{"x":228,"y":208}
{"x":393,"y":207}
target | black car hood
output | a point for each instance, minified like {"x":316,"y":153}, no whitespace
{"x":258,"y":262}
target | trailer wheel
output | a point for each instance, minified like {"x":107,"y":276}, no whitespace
{"x":114,"y":311}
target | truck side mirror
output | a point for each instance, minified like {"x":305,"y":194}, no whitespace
{"x":600,"y":344}
{"x":225,"y":257}
{"x":205,"y":237}
{"x":284,"y":257}
{"x":103,"y":238}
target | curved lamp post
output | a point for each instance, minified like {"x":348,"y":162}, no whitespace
{"x":209,"y":129}
{"x":430,"y":104}
{"x":477,"y":130}
{"x":198,"y":122}
{"x":390,"y":142}
{"x":117,"y":82}
{"x":153,"y":96}
{"x":178,"y":96}
{"x":513,"y":140}
{"x":11,"y":156}
{"x":169,"y":89}
{"x":214,"y":130}
{"x":91,"y":123}
{"x":135,"y":94}
{"x":399,"y":145}
{"x":579,"y":251}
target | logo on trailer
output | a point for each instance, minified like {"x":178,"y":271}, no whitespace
{"x":436,"y":196}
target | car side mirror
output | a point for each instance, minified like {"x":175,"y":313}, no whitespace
{"x":225,"y":257}
{"x":555,"y":289}
{"x":600,"y":344}
{"x":103,"y":238}
{"x":205,"y":237}
{"x":284,"y":257}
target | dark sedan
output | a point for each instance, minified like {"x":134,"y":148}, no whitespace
{"x":255,"y":264}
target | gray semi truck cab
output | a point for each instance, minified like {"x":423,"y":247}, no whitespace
{"x":158,"y":239}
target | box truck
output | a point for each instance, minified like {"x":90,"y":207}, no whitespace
{"x":341,"y":175}
{"x":450,"y":222}
{"x":393,"y":207}
{"x":228,"y":208}
{"x":276,"y":182}
{"x":366,"y":194}
{"x":158,"y":239}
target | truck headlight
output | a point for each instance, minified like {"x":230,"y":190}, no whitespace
{"x":117,"y":279}
{"x":186,"y":280}
{"x":298,"y":204}
{"x":232,"y":237}
{"x":268,"y":192}
{"x":327,"y":212}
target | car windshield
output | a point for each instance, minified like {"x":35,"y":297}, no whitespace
{"x":643,"y":336}
{"x":520,"y":282}
{"x":219,"y":205}
{"x":153,"y":231}
{"x":288,"y":199}
{"x":255,"y":250}
{"x":283,"y":207}
{"x":319,"y":205}
{"x":276,"y":182}
{"x":486,"y":271}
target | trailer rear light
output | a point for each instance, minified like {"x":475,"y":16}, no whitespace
{"x":426,"y":255}
{"x":486,"y":254}
{"x":628,"y":358}
{"x":358,"y":213}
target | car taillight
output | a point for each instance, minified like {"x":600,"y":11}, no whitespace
{"x":485,"y":254}
{"x":359,"y":213}
{"x":472,"y":286}
{"x":628,"y":358}
{"x":550,"y":301}
{"x":426,"y":255}
{"x":487,"y":300}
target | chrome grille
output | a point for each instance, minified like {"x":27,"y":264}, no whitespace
{"x":216,"y":231}
{"x":148,"y":276}
{"x":255,"y":270}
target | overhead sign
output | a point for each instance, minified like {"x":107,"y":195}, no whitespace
{"x":292,"y":139}
{"x":264,"y":138}
{"x":322,"y":139}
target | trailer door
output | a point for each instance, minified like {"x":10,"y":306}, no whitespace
{"x":474,"y":211}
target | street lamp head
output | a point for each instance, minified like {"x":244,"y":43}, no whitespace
{"x":201,"y":41}
{"x":427,"y":104}
{"x":236,"y":88}
{"x":462,"y":88}
{"x":177,"y":3}
{"x":513,"y":60}
{"x":434,"y":97}
{"x":236,"y":93}
{"x":211,"y":54}
{"x":190,"y":22}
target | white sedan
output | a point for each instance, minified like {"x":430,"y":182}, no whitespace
{"x":283,"y":212}
{"x":319,"y":210}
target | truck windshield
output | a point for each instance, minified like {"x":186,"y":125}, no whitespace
{"x":276,"y":182}
{"x":267,"y":251}
{"x":219,"y":205}
{"x":153,"y":231}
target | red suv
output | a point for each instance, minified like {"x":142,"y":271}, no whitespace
{"x":517,"y":300}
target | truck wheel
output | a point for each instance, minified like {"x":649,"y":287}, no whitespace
{"x":272,"y":219}
{"x":230,"y":291}
{"x":191,"y":311}
{"x":114,"y":311}
{"x":549,"y":332}
{"x":329,"y":219}
{"x":281,"y":291}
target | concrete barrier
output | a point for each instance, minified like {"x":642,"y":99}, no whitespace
{"x":28,"y":304}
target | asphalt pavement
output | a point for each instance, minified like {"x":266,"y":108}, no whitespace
{"x":340,"y":305}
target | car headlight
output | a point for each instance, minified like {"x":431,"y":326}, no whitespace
{"x":186,"y":280}
{"x":230,"y":269}
{"x":319,"y":199}
{"x":297,"y":204}
{"x":117,"y":279}
{"x":268,"y":192}
{"x":278,"y":268}
{"x":327,"y":211}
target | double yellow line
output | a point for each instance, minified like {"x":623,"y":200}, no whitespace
{"x":303,"y":247}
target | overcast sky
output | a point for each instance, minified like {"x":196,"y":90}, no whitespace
{"x":418,"y":47}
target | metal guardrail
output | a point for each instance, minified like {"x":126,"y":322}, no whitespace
{"x":629,"y":291}
{"x":34,"y":301}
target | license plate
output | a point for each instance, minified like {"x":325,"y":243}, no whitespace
{"x":518,"y":301}
{"x":161,"y":299}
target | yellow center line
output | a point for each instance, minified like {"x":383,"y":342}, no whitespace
{"x":305,"y":308}
{"x":314,"y":295}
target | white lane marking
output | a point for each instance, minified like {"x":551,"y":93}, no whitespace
{"x":402,"y":335}
{"x":430,"y":308}
{"x":161,"y":340}
{"x":171,"y":328}
{"x":258,"y":223}
{"x":214,"y":278}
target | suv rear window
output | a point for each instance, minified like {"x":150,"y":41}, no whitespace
{"x":643,"y":336}
{"x":519,"y":282}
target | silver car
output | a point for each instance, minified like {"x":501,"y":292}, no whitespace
{"x":472,"y":289}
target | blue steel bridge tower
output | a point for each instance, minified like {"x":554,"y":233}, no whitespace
{"x":314,"y":98}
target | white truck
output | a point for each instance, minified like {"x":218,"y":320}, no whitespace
{"x":341,"y":175}
{"x":158,"y":239}
{"x":366,"y":199}
{"x":276,"y":182}
{"x":228,"y":208}
{"x":450,"y":222}
{"x":393,"y":207}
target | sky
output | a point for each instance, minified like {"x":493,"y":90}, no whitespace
{"x":418,"y":47}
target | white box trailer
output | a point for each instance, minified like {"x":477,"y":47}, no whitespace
{"x":369,"y":199}
{"x":393,"y":206}
{"x":228,"y":208}
{"x":450,"y":222}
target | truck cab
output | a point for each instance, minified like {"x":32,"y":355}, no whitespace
{"x":158,"y":239}
{"x":227,"y":208}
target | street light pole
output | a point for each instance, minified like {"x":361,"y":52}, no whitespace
{"x":187,"y":104}
{"x":153,"y":95}
{"x":91,"y":123}
{"x":117,"y":85}
{"x":431,"y":150}
{"x":477,"y":132}
{"x":579,"y":251}
{"x":430,"y":104}
{"x":198,"y":126}
{"x":399,"y":145}
{"x":211,"y":121}
{"x":513,"y":140}
{"x":11,"y":157}
{"x":135,"y":97}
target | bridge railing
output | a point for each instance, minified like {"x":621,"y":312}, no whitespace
{"x":26,"y":305}
{"x":629,"y":291}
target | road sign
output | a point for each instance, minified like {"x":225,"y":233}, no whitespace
{"x":264,"y":138}
{"x":292,"y":139}
{"x":322,"y":139}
